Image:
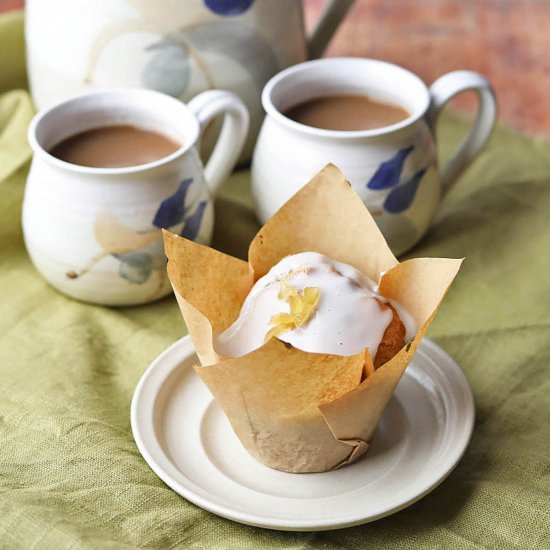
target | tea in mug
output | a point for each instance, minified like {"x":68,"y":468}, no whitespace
{"x":346,"y":113}
{"x":114,"y":147}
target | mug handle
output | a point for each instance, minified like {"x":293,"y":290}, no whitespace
{"x":326,"y":27}
{"x":207,"y":106}
{"x":441,"y":91}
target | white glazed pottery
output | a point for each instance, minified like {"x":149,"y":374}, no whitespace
{"x":188,"y":442}
{"x":394,"y":168}
{"x":95,"y":233}
{"x":179,"y":47}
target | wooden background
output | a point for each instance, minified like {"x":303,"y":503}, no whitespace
{"x":506,"y":40}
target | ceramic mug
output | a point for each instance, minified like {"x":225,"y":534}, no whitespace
{"x":177,"y":47}
{"x":95,"y":233}
{"x":394,"y":169}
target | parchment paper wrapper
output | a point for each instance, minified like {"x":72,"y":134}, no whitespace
{"x":292,"y":410}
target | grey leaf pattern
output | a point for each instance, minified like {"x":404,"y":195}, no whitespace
{"x":234,"y":40}
{"x":168,"y":71}
{"x":135,"y":267}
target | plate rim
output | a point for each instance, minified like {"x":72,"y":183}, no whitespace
{"x":163,"y":364}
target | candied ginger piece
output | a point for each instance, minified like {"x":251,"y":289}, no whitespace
{"x":286,"y":291}
{"x":302,"y":306}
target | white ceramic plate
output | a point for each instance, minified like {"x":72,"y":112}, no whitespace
{"x":188,"y":442}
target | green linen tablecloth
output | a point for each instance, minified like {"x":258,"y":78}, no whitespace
{"x":70,"y":473}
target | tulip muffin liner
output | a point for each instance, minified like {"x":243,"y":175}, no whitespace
{"x":292,"y":410}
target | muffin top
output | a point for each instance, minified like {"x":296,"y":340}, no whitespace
{"x":317,"y":305}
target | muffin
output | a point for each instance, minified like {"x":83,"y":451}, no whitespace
{"x":303,"y":345}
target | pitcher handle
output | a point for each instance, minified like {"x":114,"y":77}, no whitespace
{"x":441,"y":91}
{"x":207,"y":106}
{"x":326,"y":26}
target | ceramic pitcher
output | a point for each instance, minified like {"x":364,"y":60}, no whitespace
{"x":177,"y":47}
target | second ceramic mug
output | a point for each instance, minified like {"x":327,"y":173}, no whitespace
{"x":394,"y":169}
{"x":95,"y":233}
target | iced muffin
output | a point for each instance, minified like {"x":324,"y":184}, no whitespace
{"x":303,"y":345}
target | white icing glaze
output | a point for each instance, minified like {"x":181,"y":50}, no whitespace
{"x":347,"y":318}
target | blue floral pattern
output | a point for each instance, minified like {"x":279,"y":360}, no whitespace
{"x":401,"y":198}
{"x":388,"y":176}
{"x":193,"y":222}
{"x":137,"y":265}
{"x":389,"y":171}
{"x":172,"y":209}
{"x":228,"y":7}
